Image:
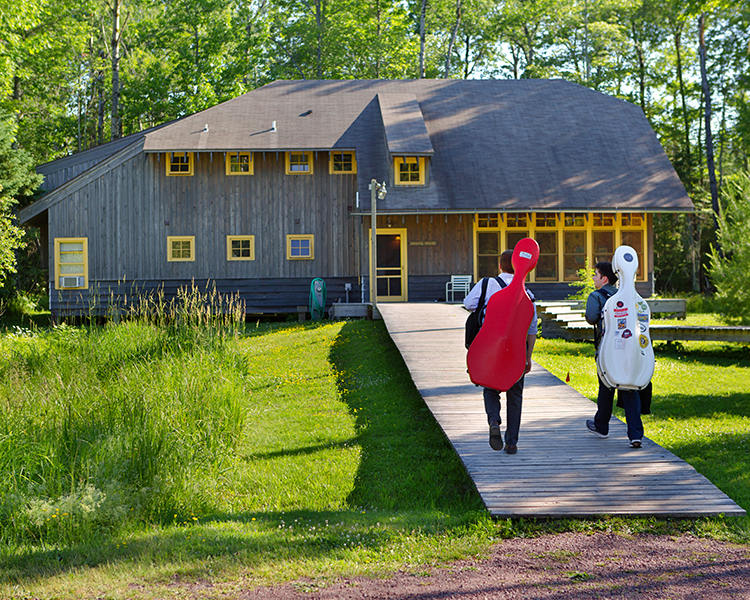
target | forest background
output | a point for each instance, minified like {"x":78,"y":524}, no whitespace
{"x":78,"y":73}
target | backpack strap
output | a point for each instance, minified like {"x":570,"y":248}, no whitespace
{"x":599,"y":326}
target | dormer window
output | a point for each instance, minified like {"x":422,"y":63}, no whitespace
{"x":342,"y":163}
{"x":180,"y":163}
{"x":239,"y":163}
{"x":299,"y":163}
{"x":409,"y":170}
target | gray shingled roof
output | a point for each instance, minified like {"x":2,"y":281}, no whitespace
{"x":519,"y":145}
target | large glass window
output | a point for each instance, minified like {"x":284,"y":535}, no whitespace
{"x":603,"y":246}
{"x":488,"y":253}
{"x":574,"y":254}
{"x":546,"y":267}
{"x":487,"y":220}
{"x":634,"y":239}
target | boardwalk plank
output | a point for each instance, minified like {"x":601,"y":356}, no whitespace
{"x":560,"y":470}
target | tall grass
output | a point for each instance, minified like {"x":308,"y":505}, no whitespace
{"x":103,"y":426}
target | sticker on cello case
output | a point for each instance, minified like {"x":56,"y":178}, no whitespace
{"x":622,"y":323}
{"x":524,"y":254}
{"x":627,"y":334}
{"x":642,"y":327}
{"x":643,"y":340}
{"x":643,"y":317}
{"x":619,"y":344}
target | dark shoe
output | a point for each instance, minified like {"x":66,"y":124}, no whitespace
{"x":496,"y":439}
{"x":592,"y":428}
{"x":635,"y":443}
{"x":511,"y":448}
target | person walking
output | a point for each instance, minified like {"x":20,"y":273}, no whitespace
{"x":604,"y":282}
{"x":514,"y":396}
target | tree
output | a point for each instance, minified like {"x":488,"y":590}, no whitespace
{"x":728,"y":269}
{"x":17,"y":180}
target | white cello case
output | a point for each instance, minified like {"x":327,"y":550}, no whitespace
{"x":626,"y":356}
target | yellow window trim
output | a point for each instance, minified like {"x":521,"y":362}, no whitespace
{"x":292,"y":250}
{"x":481,"y":221}
{"x":234,"y":158}
{"x":180,"y":238}
{"x":82,"y":269}
{"x":409,"y":160}
{"x":186,"y":173}
{"x":309,"y":162}
{"x":333,"y":154}
{"x":241,"y":238}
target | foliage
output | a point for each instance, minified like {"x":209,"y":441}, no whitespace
{"x":731,"y":262}
{"x":584,"y":283}
{"x":183,"y":56}
{"x":17,"y":179}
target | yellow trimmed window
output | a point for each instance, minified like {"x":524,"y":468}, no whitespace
{"x":409,"y":170}
{"x":71,"y":263}
{"x":240,"y":247}
{"x":342,"y":163}
{"x":239,"y":163}
{"x":299,"y":163}
{"x":300,"y":247}
{"x":180,"y":163}
{"x":180,"y":248}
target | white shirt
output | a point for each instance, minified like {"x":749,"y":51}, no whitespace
{"x":472,"y":298}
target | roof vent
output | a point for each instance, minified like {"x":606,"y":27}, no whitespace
{"x":205,"y":128}
{"x":273,"y":126}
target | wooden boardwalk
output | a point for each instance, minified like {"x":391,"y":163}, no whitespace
{"x":560,"y":470}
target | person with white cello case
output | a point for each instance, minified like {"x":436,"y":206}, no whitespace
{"x":624,"y":353}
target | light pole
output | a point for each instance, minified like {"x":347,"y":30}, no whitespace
{"x":377,"y":192}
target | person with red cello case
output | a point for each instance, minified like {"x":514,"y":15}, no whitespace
{"x":500,"y":355}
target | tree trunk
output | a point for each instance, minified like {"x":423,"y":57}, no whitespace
{"x":319,"y":20}
{"x":422,"y":39}
{"x":641,"y":67}
{"x":453,"y":40}
{"x":683,"y":96}
{"x":709,"y":138}
{"x":115,"y":121}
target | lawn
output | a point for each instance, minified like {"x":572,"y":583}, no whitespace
{"x":137,"y":454}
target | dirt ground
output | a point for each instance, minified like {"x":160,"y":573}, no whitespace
{"x":556,"y":567}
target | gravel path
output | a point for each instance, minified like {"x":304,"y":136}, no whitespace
{"x":557,"y":567}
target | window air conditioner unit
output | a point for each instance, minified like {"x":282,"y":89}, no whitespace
{"x":72,"y":281}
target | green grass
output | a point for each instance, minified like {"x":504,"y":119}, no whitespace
{"x":700,"y":408}
{"x":135,"y":458}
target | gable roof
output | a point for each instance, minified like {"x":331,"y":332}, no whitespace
{"x":494,"y":145}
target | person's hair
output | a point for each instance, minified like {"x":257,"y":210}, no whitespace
{"x":605,"y":270}
{"x":506,"y":261}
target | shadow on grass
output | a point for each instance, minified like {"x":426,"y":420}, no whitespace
{"x":407,"y":462}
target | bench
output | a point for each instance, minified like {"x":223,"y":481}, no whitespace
{"x":458,"y":283}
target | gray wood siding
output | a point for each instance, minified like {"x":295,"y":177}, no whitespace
{"x":124,"y":214}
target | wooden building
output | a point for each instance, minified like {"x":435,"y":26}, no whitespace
{"x":263,"y":193}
